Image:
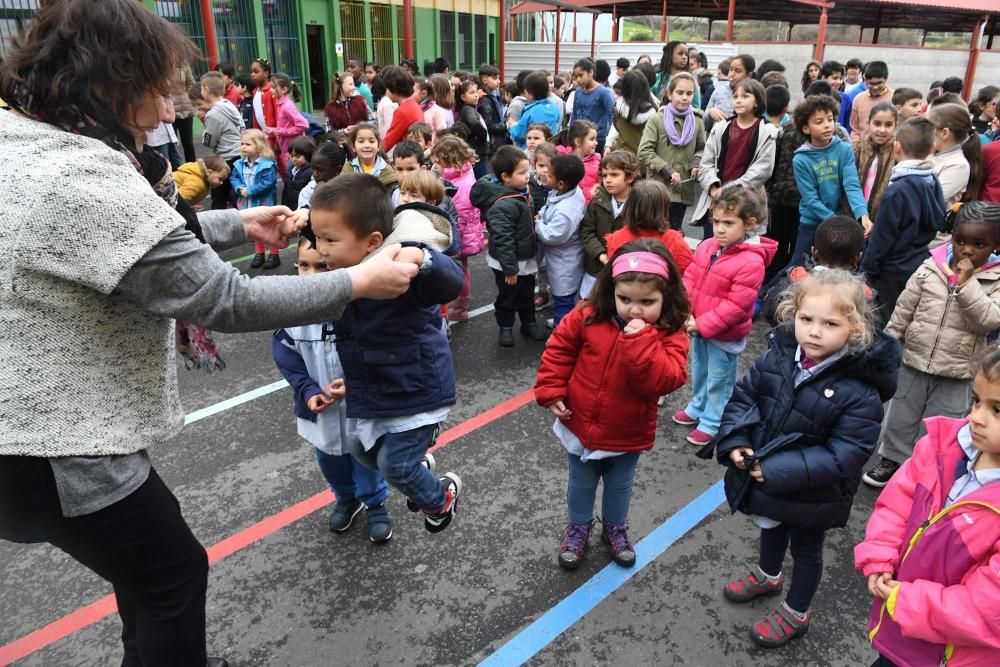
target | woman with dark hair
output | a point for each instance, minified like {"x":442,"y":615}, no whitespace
{"x":810,"y":73}
{"x":675,"y":59}
{"x":632,"y":110}
{"x":123,"y":257}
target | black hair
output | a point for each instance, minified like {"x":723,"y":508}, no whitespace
{"x":361,"y":200}
{"x":332,"y":152}
{"x":831,"y":67}
{"x":916,"y":137}
{"x":676,"y":306}
{"x":506,"y":159}
{"x":586,"y":64}
{"x":602,"y":71}
{"x":635,"y":93}
{"x":397,"y":81}
{"x":265,"y":65}
{"x":409,"y":65}
{"x":805,"y":109}
{"x":757,"y":90}
{"x":777,"y":99}
{"x":648,"y":71}
{"x":226,"y":69}
{"x":838,"y":242}
{"x":952,"y":85}
{"x":984,"y":96}
{"x":245,"y":81}
{"x":854,"y":63}
{"x":578,"y":129}
{"x":901,"y":96}
{"x":519,"y":79}
{"x":488,"y":70}
{"x":980,"y":211}
{"x":884,"y":107}
{"x":568,"y":169}
{"x":66,"y":58}
{"x":623,"y":63}
{"x":667,"y":59}
{"x":769,"y":65}
{"x":749,"y":64}
{"x":304,"y":146}
{"x":876,"y":69}
{"x":537,"y":84}
{"x":440,"y":65}
{"x":285,"y":81}
{"x":408,"y":148}
{"x":557,"y":82}
{"x":819,"y":87}
{"x":512,"y":89}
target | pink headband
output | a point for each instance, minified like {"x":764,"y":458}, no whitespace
{"x":643,"y":262}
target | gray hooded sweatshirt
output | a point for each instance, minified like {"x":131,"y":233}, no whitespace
{"x":223,"y":125}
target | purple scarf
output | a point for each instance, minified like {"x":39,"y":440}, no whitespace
{"x":670,"y":116}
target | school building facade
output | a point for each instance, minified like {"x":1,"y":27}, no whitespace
{"x":311,"y":39}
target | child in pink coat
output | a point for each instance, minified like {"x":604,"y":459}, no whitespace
{"x":290,"y":123}
{"x":722,"y":282}
{"x":580,"y":139}
{"x":932,"y":547}
{"x":453,"y":158}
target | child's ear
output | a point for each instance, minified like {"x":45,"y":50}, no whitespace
{"x":750,"y":223}
{"x":857,"y":258}
{"x":375,"y":240}
{"x":814,"y":254}
{"x":630,"y":178}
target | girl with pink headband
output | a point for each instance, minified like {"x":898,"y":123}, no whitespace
{"x":605,"y":408}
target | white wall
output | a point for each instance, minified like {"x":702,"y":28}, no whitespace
{"x":910,"y":67}
{"x":987,"y":71}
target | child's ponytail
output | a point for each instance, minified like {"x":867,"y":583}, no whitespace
{"x":285,"y":81}
{"x":955,"y":118}
{"x":578,"y":129}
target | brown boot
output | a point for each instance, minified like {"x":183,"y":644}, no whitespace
{"x":458,"y":310}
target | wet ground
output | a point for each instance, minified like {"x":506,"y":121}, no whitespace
{"x":487,"y":588}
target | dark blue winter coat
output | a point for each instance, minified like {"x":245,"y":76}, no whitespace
{"x":812,"y":440}
{"x":395,"y":354}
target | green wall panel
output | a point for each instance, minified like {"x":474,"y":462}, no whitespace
{"x":427,"y":35}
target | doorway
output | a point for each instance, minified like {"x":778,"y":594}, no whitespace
{"x":318,"y":76}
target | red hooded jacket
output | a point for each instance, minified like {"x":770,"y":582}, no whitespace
{"x":610,"y":380}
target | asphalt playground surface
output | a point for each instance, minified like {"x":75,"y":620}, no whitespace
{"x":283,"y":590}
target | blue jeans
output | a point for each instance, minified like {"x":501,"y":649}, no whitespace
{"x":807,"y":557}
{"x":398,"y":457}
{"x":561,"y":307}
{"x":482,"y":168}
{"x":618,"y":473}
{"x":713,"y":376}
{"x":803,"y":245}
{"x":349,"y":479}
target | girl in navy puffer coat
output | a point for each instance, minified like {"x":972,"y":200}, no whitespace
{"x":799,"y":428}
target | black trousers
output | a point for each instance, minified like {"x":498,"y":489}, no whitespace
{"x":141,"y":544}
{"x":886,"y":295}
{"x":517,"y":299}
{"x":677,"y":212}
{"x":184,"y":128}
{"x":783,"y":228}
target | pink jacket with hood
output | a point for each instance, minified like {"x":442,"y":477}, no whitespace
{"x":291,"y":123}
{"x":591,"y":172}
{"x":946,"y":609}
{"x":723,"y":288}
{"x":470,"y":226}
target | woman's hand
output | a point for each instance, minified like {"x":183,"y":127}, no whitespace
{"x":382,"y":276}
{"x":560,"y":410}
{"x":272,"y":225}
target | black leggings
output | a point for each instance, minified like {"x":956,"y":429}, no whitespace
{"x":141,"y":544}
{"x":516,"y":299}
{"x":184,"y":127}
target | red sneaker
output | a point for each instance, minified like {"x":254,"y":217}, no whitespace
{"x":778,"y":628}
{"x":751,"y":587}
{"x":699,"y":438}
{"x":683,"y":418}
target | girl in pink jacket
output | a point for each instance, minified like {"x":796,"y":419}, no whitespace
{"x":453,"y":158}
{"x":722,"y":282}
{"x":932,"y":547}
{"x":291,"y":123}
{"x":580,"y":139}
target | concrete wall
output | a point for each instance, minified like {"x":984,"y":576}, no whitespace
{"x":988,"y":70}
{"x":908,"y":67}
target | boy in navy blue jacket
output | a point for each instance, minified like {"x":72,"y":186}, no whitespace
{"x":307,"y":358}
{"x":397,"y":362}
{"x":911,"y":213}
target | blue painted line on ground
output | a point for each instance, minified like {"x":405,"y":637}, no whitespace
{"x":222,"y":406}
{"x":580,"y":602}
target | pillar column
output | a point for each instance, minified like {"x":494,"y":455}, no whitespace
{"x":730,"y":20}
{"x":970,"y":70}
{"x":211,"y":41}
{"x":663,"y":24}
{"x":558,"y":37}
{"x":821,"y":36}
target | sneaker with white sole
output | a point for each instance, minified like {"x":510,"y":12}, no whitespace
{"x":438,"y":521}
{"x":700,"y":438}
{"x":379,"y":524}
{"x":343,"y":514}
{"x":683,"y":418}
{"x":880,"y":475}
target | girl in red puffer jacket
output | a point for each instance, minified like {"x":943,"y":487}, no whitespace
{"x":602,"y":372}
{"x":722,"y":282}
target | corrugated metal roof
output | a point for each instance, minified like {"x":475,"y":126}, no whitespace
{"x":985,"y":6}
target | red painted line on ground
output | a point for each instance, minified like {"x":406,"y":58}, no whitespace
{"x":106,"y":606}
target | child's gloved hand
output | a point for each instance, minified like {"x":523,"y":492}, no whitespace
{"x":319,"y":403}
{"x":635,"y":326}
{"x":560,"y":410}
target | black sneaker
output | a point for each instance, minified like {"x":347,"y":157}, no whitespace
{"x":258,"y":261}
{"x":273,"y":261}
{"x":428,"y":463}
{"x":435,"y":523}
{"x":506,"y":337}
{"x":343,"y":514}
{"x":379,"y":524}
{"x":880,"y":475}
{"x":534,"y":331}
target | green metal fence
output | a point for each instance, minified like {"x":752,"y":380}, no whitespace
{"x":236,"y":32}
{"x":187,"y":15}
{"x":282,"y":34}
{"x":15,"y":16}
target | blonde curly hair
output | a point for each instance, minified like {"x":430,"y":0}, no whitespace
{"x":848,"y":294}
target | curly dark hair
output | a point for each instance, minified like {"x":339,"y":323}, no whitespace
{"x":812,"y":104}
{"x":103,"y":57}
{"x":676,"y":306}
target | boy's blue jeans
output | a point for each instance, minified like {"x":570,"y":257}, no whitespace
{"x":349,"y":479}
{"x":398,"y":456}
{"x":618,"y":473}
{"x":713,"y":376}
